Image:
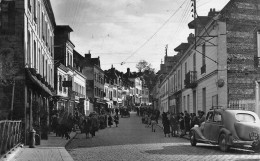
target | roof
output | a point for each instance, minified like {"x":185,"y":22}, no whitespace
{"x":64,"y":27}
{"x":202,"y":20}
{"x":182,"y":46}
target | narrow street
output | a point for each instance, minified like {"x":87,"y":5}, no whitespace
{"x":133,"y":141}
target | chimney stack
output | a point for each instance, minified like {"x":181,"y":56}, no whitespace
{"x":191,"y":38}
{"x":212,"y":12}
{"x":88,"y":56}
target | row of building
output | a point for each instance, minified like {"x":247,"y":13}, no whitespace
{"x":219,"y":65}
{"x":41,"y":73}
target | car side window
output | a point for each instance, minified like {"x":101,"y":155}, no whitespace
{"x":217,"y":117}
{"x":209,"y":117}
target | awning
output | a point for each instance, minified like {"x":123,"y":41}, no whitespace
{"x":37,"y":82}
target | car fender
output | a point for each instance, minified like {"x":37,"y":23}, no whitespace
{"x":198,"y":133}
{"x":228,"y":133}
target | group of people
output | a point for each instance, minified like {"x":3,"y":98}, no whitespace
{"x":113,"y":119}
{"x":179,"y":124}
{"x":62,"y":123}
{"x":90,"y":125}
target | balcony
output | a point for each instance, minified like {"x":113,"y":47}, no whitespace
{"x":191,"y":79}
{"x":203,"y":69}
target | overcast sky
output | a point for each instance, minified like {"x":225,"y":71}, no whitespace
{"x":129,"y":30}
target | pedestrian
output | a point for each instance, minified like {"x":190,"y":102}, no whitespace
{"x":174,"y":125}
{"x":166,"y":126}
{"x":194,"y":120}
{"x":110,"y":120}
{"x":153,"y":122}
{"x":186,"y":122}
{"x":116,"y":120}
{"x":86,"y":123}
{"x":182,"y":126}
{"x":202,"y":117}
{"x":117,"y":111}
{"x":94,"y":125}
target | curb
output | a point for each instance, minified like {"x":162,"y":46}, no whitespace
{"x":11,"y":153}
{"x":71,"y":139}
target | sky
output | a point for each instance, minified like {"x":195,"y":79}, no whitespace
{"x":129,"y":31}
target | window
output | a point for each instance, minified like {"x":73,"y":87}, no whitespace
{"x":38,"y":14}
{"x":185,"y":68}
{"x":34,"y":10}
{"x":29,"y":48}
{"x":29,"y":5}
{"x":188,"y":103}
{"x":71,"y":60}
{"x":60,"y":83}
{"x":217,"y":117}
{"x":244,"y":117}
{"x":43,"y":66}
{"x":65,"y":88}
{"x":179,"y":79}
{"x":184,"y":102}
{"x":46,"y":69}
{"x":194,"y":101}
{"x":194,"y":62}
{"x":204,"y":99}
{"x":43,"y":26}
{"x":203,"y":54}
{"x":39,"y":60}
{"x":215,"y":101}
{"x":35,"y":55}
{"x":209,"y":116}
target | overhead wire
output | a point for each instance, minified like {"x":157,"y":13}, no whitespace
{"x":184,"y":16}
{"x":150,"y":38}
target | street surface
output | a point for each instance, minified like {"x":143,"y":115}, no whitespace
{"x":132,"y":141}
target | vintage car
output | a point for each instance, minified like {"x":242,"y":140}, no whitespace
{"x":228,"y":128}
{"x":124,"y":112}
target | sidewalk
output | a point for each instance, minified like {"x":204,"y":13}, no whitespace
{"x":52,"y":149}
{"x":161,"y":126}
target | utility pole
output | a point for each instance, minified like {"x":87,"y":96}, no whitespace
{"x":194,"y":10}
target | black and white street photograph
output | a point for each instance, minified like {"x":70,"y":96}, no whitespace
{"x":129,"y":80}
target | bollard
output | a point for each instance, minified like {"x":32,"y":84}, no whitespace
{"x":32,"y":138}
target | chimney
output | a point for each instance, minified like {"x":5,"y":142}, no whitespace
{"x":128,"y":71}
{"x":212,"y":12}
{"x":88,"y":56}
{"x":191,"y":38}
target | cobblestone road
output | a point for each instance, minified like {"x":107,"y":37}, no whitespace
{"x":132,"y":141}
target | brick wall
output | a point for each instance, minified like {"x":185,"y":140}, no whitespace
{"x":243,"y":21}
{"x":12,"y":57}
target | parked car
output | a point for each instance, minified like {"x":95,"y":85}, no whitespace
{"x":228,"y":128}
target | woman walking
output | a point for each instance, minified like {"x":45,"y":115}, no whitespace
{"x":166,"y":126}
{"x":110,"y":121}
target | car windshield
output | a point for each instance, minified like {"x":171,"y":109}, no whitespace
{"x":245,"y":117}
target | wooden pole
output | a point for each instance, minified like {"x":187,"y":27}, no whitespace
{"x":12,"y":103}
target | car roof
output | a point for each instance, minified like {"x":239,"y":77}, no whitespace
{"x":232,"y":111}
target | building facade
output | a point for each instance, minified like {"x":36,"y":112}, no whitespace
{"x":220,"y":68}
{"x":26,"y":91}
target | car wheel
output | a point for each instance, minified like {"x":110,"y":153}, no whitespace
{"x":193,"y":141}
{"x":223,"y":143}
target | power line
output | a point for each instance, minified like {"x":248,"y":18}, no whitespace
{"x":154,"y":33}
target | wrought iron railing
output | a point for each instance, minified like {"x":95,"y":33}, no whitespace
{"x":10,"y":135}
{"x":191,"y":79}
